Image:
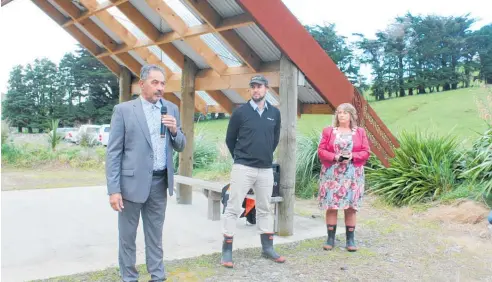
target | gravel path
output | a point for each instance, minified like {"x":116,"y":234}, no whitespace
{"x":395,"y":245}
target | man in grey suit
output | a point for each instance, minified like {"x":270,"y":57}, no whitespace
{"x":139,"y":168}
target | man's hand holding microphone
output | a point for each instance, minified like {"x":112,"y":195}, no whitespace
{"x":167,"y":121}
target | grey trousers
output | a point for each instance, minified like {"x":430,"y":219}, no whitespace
{"x":153,"y":214}
{"x":244,"y":178}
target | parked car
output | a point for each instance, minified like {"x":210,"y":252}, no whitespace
{"x":103,"y":135}
{"x":70,"y":135}
{"x":90,"y":130}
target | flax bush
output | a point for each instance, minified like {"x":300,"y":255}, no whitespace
{"x":425,"y":167}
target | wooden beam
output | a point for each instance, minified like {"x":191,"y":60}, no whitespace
{"x":173,"y":99}
{"x":287,"y":145}
{"x":234,"y":22}
{"x":125,"y":85}
{"x":244,"y":93}
{"x":179,"y":26}
{"x":77,"y":34}
{"x":101,"y":7}
{"x":188,"y":123}
{"x":316,"y":109}
{"x":222,"y":100}
{"x":237,"y":44}
{"x":299,"y":109}
{"x":131,"y":63}
{"x":206,"y":81}
{"x":99,"y":34}
{"x":200,"y":104}
{"x":111,"y":22}
{"x":202,"y":107}
{"x":265,"y":67}
{"x":140,"y":21}
{"x":194,"y":31}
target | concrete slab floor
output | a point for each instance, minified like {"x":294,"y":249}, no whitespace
{"x":64,"y":231}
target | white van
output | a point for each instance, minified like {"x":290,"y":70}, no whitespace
{"x":103,"y":135}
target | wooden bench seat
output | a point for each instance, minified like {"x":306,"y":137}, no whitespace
{"x":213,"y":191}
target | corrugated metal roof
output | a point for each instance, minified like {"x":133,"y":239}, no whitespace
{"x":188,"y":51}
{"x":165,"y":59}
{"x":79,"y":26}
{"x":270,"y":98}
{"x":59,"y":8}
{"x":233,"y":96}
{"x":132,"y":28}
{"x":259,"y":42}
{"x":219,"y":48}
{"x":184,"y":12}
{"x":226,"y":8}
{"x":108,"y":31}
{"x":151,"y":15}
{"x":307,"y":94}
{"x":137,"y":57}
{"x":206,"y":98}
{"x":80,"y":6}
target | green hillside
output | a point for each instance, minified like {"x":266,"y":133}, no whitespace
{"x":453,"y":112}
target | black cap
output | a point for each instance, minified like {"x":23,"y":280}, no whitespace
{"x":258,"y":79}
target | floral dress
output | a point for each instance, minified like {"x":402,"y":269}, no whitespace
{"x":341,"y":185}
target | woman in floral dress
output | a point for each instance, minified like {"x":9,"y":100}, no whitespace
{"x":343,"y":151}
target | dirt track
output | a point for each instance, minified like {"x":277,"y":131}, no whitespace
{"x":395,"y":245}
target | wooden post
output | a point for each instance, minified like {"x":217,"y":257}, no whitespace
{"x":287,"y":145}
{"x":125,"y":84}
{"x":187,"y":113}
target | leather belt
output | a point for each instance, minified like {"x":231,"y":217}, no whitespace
{"x":159,"y":172}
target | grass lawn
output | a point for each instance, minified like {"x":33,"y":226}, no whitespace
{"x":452,"y":112}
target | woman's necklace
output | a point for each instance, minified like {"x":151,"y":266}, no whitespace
{"x":338,"y":131}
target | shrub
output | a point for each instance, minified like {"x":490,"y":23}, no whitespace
{"x":34,"y":156}
{"x":87,"y":140}
{"x":5,"y":131}
{"x":204,"y":152}
{"x":479,"y":163}
{"x":424,"y":167}
{"x":308,"y":165}
{"x":53,"y":138}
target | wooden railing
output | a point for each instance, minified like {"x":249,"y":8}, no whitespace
{"x":381,"y":140}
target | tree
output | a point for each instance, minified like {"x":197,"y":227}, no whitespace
{"x":17,"y":108}
{"x":373,"y":54}
{"x":99,"y":84}
{"x":483,"y":41}
{"x":337,"y":48}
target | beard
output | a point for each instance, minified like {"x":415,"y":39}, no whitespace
{"x":256,"y":100}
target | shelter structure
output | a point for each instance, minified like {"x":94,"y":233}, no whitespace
{"x":210,"y":49}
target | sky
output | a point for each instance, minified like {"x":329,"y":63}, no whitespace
{"x":23,"y":42}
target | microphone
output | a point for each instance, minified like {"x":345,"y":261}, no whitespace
{"x":163,"y":127}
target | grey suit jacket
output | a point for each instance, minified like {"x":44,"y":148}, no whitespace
{"x":129,"y":156}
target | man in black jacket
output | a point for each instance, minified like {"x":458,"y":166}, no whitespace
{"x":252,"y":137}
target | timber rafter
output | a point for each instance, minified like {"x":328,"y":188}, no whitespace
{"x":254,"y":35}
